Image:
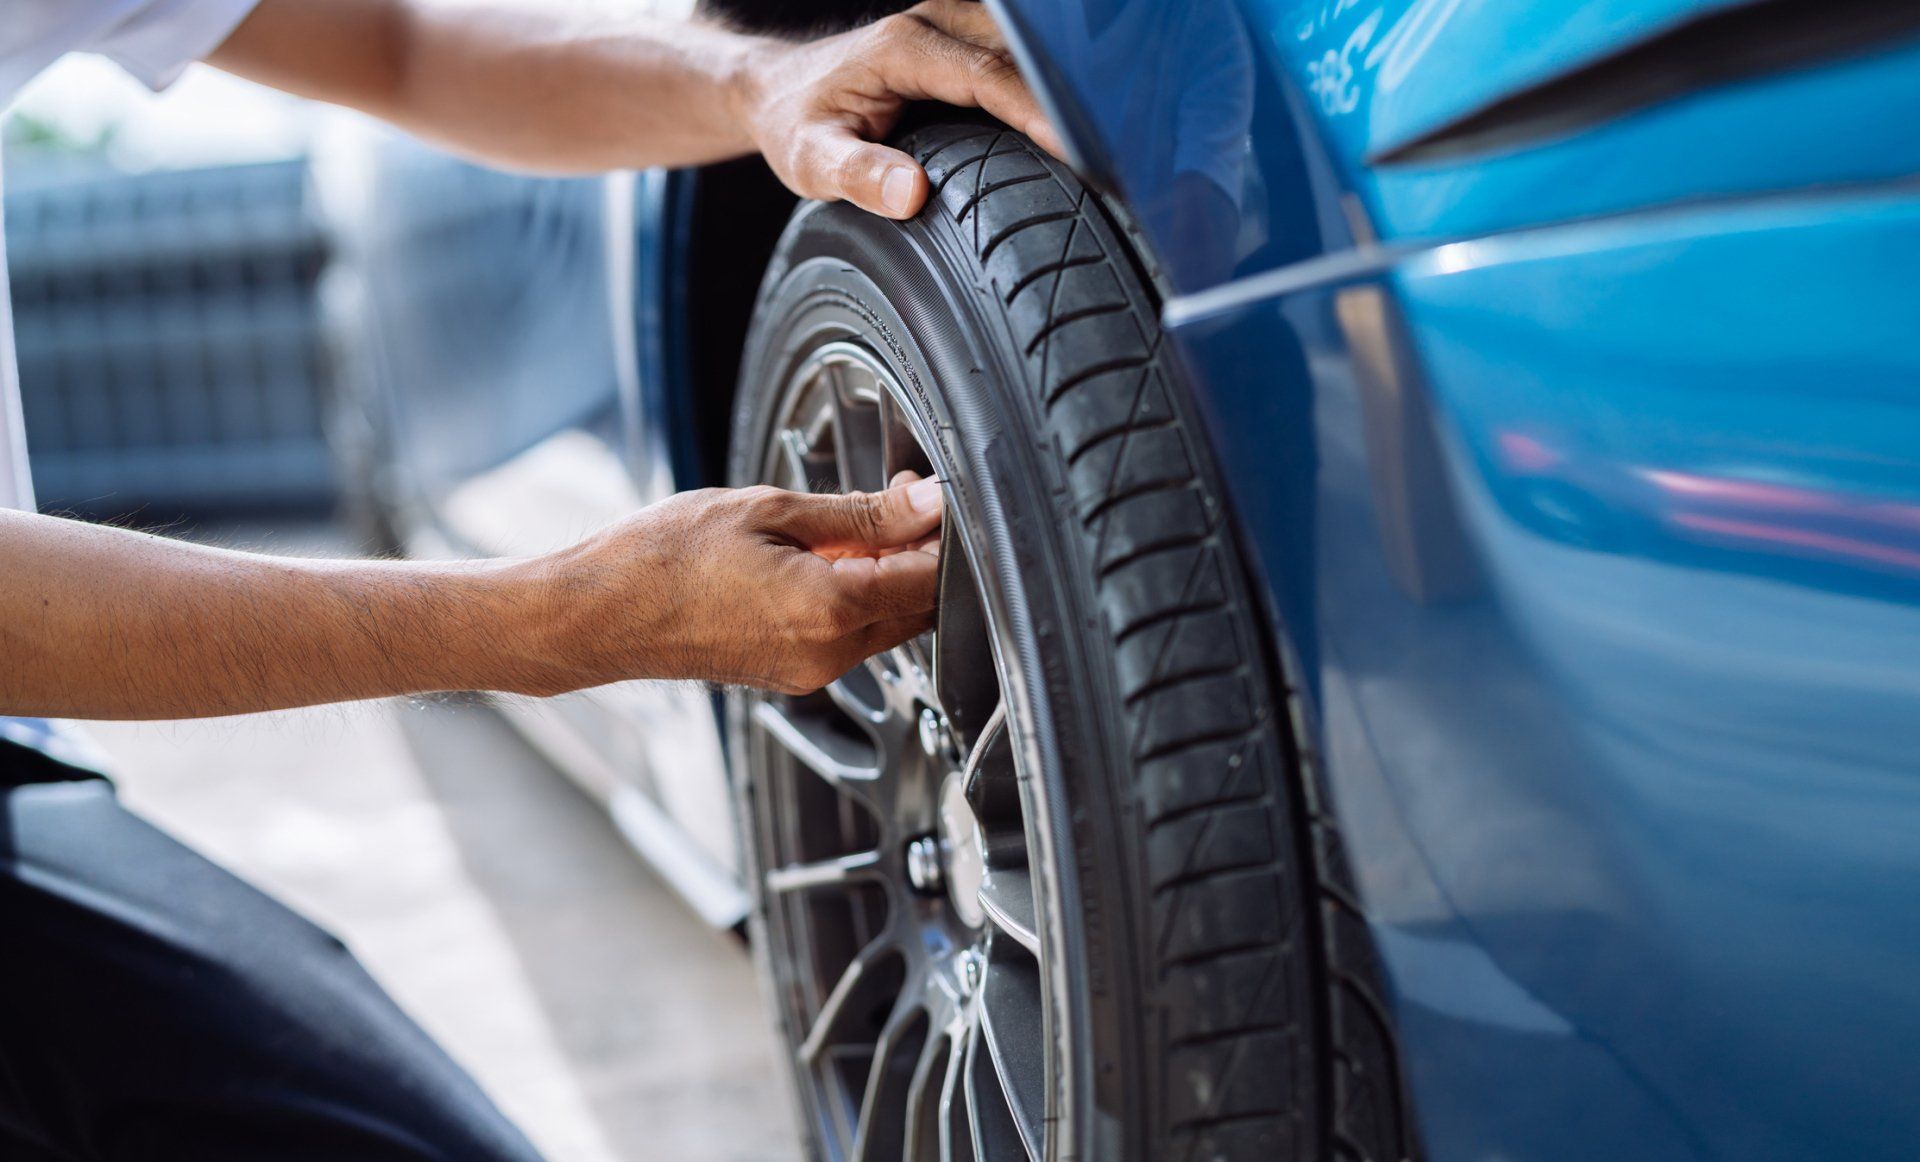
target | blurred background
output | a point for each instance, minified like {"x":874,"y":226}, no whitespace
{"x":168,"y":265}
{"x":165,"y":263}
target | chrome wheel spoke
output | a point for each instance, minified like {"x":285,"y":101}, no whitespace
{"x":863,"y":983}
{"x":956,"y":1126}
{"x":990,"y":1125}
{"x":837,"y":872}
{"x":1010,"y":1006}
{"x":821,"y":752}
{"x":806,"y":468}
{"x":859,"y":697}
{"x":992,"y":753}
{"x":924,"y":1123}
{"x":898,"y":451}
{"x":883,"y":1125}
{"x":858,"y":437}
{"x":1006,"y":896}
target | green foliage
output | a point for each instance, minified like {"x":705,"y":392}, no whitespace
{"x":25,"y":134}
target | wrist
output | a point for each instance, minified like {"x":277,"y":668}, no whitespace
{"x":500,"y":632}
{"x":542,"y":626}
{"x":589,"y":614}
{"x":743,"y":83}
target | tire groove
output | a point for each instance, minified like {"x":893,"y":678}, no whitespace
{"x":996,"y":187}
{"x":1054,"y":324}
{"x":1165,"y":616}
{"x":928,"y":159}
{"x":1124,"y":560}
{"x":1024,"y":224}
{"x":1194,"y":1040}
{"x":1221,"y":734}
{"x":1053,"y":296}
{"x":1179,"y":814}
{"x":1122,"y":363}
{"x":1187,"y":881}
{"x":1186,"y":595}
{"x":1107,"y":503}
{"x":1165,"y":684}
{"x":1080,"y":453}
{"x":1133,"y":420}
{"x":1192,"y":958}
{"x":980,"y":175}
{"x":1028,"y":279}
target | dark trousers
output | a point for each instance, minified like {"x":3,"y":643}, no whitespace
{"x":155,"y":1007}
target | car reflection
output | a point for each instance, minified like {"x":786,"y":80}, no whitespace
{"x":1809,"y":534}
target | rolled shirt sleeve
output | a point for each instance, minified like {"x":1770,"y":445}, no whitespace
{"x":155,"y":40}
{"x":159,"y":39}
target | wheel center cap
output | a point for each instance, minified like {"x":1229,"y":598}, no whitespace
{"x":964,"y":850}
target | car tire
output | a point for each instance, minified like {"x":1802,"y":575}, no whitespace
{"x":1196,"y":1006}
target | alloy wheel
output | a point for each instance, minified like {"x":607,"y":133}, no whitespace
{"x":889,"y":823}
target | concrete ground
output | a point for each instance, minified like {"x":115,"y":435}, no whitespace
{"x":499,"y":907}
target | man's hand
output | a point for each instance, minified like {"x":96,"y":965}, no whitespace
{"x":573,"y":88}
{"x":753,"y":586}
{"x":817,"y":110}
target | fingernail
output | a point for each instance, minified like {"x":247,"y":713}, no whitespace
{"x":924,"y":496}
{"x":896,"y":189}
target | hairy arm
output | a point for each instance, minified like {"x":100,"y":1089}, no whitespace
{"x":756,"y":586}
{"x":107,"y":623}
{"x":578,"y":88}
{"x":562,"y":87}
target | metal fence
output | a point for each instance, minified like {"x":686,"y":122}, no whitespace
{"x":169,"y":339}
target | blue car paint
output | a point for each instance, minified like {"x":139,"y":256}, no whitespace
{"x":1848,"y":121}
{"x":1196,"y":110}
{"x":1589,"y":513}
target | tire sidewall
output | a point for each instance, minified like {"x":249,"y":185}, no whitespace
{"x":912,"y":303}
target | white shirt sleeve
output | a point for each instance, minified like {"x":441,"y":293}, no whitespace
{"x":155,"y":40}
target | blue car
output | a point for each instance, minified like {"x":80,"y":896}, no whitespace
{"x":1428,"y":659}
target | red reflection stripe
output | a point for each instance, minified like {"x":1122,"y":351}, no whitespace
{"x":1905,"y":560}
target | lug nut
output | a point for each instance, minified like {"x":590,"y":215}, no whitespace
{"x":935,"y":736}
{"x":924,"y":865}
{"x":971,"y":970}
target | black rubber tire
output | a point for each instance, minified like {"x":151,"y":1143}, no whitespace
{"x":1188,"y":912}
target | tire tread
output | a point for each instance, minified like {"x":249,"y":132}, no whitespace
{"x":1215,"y":781}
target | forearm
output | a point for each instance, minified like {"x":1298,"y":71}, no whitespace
{"x":529,"y":86}
{"x":753,"y":585}
{"x":105,"y":623}
{"x":535,"y":86}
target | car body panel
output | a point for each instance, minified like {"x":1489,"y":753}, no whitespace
{"x":1211,"y":111}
